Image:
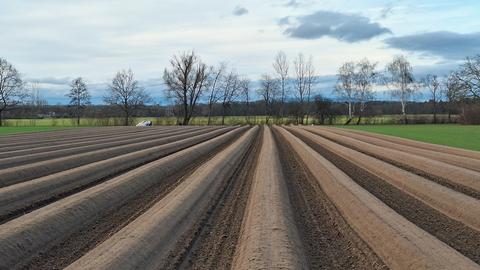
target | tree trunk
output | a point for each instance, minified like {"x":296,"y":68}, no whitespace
{"x":359,"y":117}
{"x":209,"y":114}
{"x":404,"y":113}
{"x":223,"y":115}
{"x":1,"y":119}
{"x":434,"y":112}
{"x":350,"y":114}
{"x":248,"y":113}
{"x":78,"y":119}
{"x":126,"y":118}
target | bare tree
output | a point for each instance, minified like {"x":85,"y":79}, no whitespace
{"x":432,"y":83}
{"x":281,"y":66}
{"x":301,"y":85}
{"x":364,"y":78}
{"x":345,"y":88}
{"x":79,"y":97}
{"x":186,"y":81}
{"x":402,"y":80}
{"x":213,"y":87}
{"x":454,"y":92}
{"x":12,"y":91}
{"x":323,"y":108}
{"x":126,"y":93}
{"x":469,"y":76}
{"x":310,"y":81}
{"x":268,"y":91}
{"x":245,"y":90}
{"x":36,"y":99}
{"x":230,"y":91}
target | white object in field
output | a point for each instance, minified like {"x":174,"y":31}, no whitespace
{"x":144,"y":124}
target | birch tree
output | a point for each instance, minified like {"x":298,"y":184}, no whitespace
{"x":302,"y":80}
{"x":281,"y":67}
{"x":401,"y":79}
{"x":310,"y":81}
{"x":345,"y":88}
{"x":364,"y":78}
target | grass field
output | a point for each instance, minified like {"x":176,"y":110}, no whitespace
{"x":13,"y":130}
{"x":467,"y":137}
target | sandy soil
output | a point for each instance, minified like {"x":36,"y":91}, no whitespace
{"x":235,"y":198}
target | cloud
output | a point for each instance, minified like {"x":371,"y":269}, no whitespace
{"x":239,"y":11}
{"x":342,"y":26}
{"x":292,"y":3}
{"x":449,"y":45}
{"x":284,"y":21}
{"x":50,"y":80}
{"x":387,"y":10}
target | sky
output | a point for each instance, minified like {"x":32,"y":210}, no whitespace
{"x":53,"y":41}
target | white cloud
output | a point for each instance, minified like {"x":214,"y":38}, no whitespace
{"x":95,"y":38}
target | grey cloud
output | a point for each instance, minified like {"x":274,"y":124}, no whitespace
{"x":292,"y":3}
{"x":387,"y":10}
{"x":342,"y":26}
{"x":239,"y":11}
{"x":448,"y":45}
{"x":50,"y":80}
{"x":284,"y":21}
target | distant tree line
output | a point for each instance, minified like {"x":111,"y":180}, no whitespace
{"x":286,"y":95}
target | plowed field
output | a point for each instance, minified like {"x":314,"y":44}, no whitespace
{"x":260,"y":197}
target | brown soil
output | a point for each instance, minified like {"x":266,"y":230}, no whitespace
{"x":78,"y":244}
{"x":329,"y":241}
{"x":212,"y":241}
{"x":454,"y":233}
{"x":214,"y":226}
{"x":55,"y":196}
{"x":442,"y":181}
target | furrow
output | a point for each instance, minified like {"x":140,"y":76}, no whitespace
{"x":454,"y":233}
{"x":29,"y":158}
{"x":24,"y":197}
{"x":145,"y":242}
{"x":27,"y":172}
{"x":269,"y":237}
{"x":465,"y":162}
{"x":451,"y":203}
{"x":329,"y":241}
{"x":398,"y":242}
{"x":60,"y":137}
{"x":423,"y":145}
{"x":78,"y":143}
{"x":25,"y":236}
{"x":450,"y":173}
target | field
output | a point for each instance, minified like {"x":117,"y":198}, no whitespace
{"x":217,"y":120}
{"x":463,"y":136}
{"x":13,"y":130}
{"x":238,"y":197}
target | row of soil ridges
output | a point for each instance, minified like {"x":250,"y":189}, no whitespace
{"x":239,"y":197}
